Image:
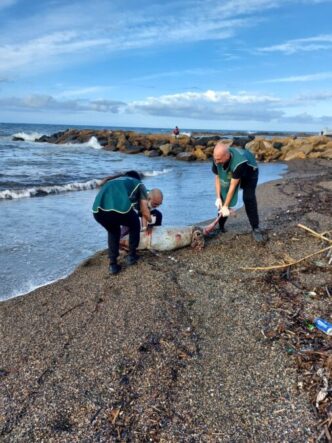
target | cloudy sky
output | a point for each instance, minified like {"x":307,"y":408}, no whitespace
{"x":200,"y":64}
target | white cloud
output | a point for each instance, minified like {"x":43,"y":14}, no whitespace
{"x":76,"y":92}
{"x":62,"y":33}
{"x":300,"y":78}
{"x":40,"y":50}
{"x":306,"y":118}
{"x":318,"y":97}
{"x":317,"y":43}
{"x":48,"y":103}
{"x":209,"y":105}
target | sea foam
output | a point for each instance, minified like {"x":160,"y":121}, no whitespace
{"x":155,"y":173}
{"x":92,"y":143}
{"x":31,"y":137}
{"x":48,"y":190}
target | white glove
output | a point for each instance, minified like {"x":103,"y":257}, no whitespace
{"x":224,"y":211}
{"x":153,"y":220}
{"x":218,"y":204}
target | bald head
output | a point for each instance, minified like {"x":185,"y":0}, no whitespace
{"x":155,"y":197}
{"x":221,"y":152}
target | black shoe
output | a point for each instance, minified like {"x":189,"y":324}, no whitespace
{"x":132,"y":259}
{"x":223,"y":229}
{"x":258,"y":235}
{"x":114,"y":268}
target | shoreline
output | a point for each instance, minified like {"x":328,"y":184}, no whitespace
{"x":179,"y":354}
{"x":198,"y":223}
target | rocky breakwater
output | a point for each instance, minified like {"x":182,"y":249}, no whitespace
{"x":291,"y":148}
{"x":199,"y":147}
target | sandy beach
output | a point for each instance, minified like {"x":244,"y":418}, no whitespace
{"x":182,"y":347}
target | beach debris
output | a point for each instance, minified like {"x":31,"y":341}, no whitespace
{"x":323,"y":325}
{"x":301,"y":299}
{"x":322,"y":394}
{"x":113,"y":415}
{"x":291,"y":262}
{"x":309,"y":326}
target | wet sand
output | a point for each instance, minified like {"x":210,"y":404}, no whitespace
{"x":178,"y":347}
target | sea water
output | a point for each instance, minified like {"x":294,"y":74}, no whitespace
{"x":46,"y":194}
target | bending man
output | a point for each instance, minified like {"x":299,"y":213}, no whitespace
{"x":114,"y":206}
{"x":236,"y":167}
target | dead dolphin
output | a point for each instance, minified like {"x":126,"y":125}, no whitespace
{"x":165,"y":238}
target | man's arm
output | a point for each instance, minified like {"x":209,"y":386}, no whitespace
{"x":144,"y":210}
{"x":105,"y":180}
{"x":233,"y":185}
{"x":217,"y":186}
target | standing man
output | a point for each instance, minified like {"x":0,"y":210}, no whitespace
{"x":235,"y":167}
{"x":176,"y":132}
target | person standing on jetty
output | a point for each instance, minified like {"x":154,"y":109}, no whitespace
{"x":114,"y":207}
{"x":235,"y":167}
{"x":176,"y":132}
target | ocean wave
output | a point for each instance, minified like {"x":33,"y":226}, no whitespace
{"x":43,"y":191}
{"x":28,"y":137}
{"x":155,"y":173}
{"x":92,"y":143}
{"x":30,"y":286}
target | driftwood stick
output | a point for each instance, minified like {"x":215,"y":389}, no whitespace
{"x":314,"y":233}
{"x":268,"y":268}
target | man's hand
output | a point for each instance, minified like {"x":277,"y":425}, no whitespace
{"x":224,"y":211}
{"x":218,"y":204}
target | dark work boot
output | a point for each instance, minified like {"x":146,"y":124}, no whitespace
{"x":132,"y":259}
{"x":114,"y":268}
{"x":258,"y":235}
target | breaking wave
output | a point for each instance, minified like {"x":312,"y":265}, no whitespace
{"x":43,"y":191}
{"x":92,"y":143}
{"x":31,"y":137}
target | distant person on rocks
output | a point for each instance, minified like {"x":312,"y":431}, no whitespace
{"x":114,"y":207}
{"x":236,"y":167}
{"x":176,"y":131}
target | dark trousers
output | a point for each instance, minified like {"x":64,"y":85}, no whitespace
{"x":112,"y":222}
{"x":248,"y":184}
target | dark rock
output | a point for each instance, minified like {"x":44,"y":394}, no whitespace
{"x":112,"y":146}
{"x":186,"y":156}
{"x":17,"y":139}
{"x":103,"y":141}
{"x":205,"y":139}
{"x":176,"y":149}
{"x":240,"y":142}
{"x":277,"y":145}
{"x":73,"y":139}
{"x":43,"y":139}
{"x":152,"y":153}
{"x":133,"y":149}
